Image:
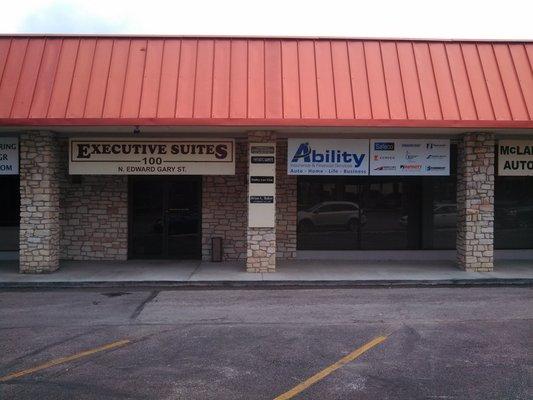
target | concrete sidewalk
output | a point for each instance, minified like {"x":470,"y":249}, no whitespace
{"x":290,"y":273}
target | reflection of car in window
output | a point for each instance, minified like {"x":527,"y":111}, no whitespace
{"x":513,"y":215}
{"x":444,"y":216}
{"x":331,"y":215}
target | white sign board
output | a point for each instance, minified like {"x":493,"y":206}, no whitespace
{"x":515,"y":157}
{"x":152,"y":157}
{"x":410,"y":157}
{"x":9,"y":156}
{"x":327,"y":157}
{"x":262,"y":185}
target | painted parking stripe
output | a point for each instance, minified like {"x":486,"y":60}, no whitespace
{"x":333,"y":367}
{"x":63,"y":360}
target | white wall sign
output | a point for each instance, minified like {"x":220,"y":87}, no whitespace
{"x":152,"y":157}
{"x":515,"y":157}
{"x":327,"y":157}
{"x":9,"y":156}
{"x":409,"y":157}
{"x":262,"y":185}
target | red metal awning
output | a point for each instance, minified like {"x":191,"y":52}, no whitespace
{"x":66,"y":80}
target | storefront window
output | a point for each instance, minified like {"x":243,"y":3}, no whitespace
{"x":443,"y":213}
{"x":329,"y":216}
{"x":352,"y":213}
{"x":9,"y":213}
{"x":387,"y":209}
{"x":513,"y":220}
{"x":378,"y":212}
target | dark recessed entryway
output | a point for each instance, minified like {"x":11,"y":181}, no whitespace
{"x":9,"y":212}
{"x":165,"y":217}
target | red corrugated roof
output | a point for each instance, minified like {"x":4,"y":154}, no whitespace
{"x":58,"y":80}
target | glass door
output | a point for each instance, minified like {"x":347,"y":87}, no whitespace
{"x":165,"y":217}
{"x":182,"y":216}
{"x":147,"y":227}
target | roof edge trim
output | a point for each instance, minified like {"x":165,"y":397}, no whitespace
{"x":278,"y":123}
{"x":258,"y":37}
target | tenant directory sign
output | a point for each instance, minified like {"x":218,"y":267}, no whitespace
{"x":327,"y":157}
{"x":262,"y":185}
{"x":410,"y":157}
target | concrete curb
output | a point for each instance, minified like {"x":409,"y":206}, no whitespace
{"x":285,"y":284}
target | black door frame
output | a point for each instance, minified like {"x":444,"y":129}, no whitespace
{"x":163,"y":179}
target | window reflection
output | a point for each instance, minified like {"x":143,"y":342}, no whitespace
{"x":374,"y":213}
{"x":329,"y":216}
{"x":513,"y":219}
{"x":444,"y":211}
{"x":387,"y":207}
{"x":350,"y":213}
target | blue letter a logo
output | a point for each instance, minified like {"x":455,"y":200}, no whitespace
{"x":304,"y":150}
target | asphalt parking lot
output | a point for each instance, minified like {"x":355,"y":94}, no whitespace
{"x":403,"y":343}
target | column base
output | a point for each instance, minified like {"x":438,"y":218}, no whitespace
{"x":477,"y":267}
{"x":38,"y":269}
{"x":481,"y":261}
{"x":261,"y":253}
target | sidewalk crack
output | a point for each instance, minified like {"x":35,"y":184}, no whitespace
{"x":194,"y":271}
{"x":153,"y":294}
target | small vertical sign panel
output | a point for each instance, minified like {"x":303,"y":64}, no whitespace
{"x":262,"y":185}
{"x":9,"y":156}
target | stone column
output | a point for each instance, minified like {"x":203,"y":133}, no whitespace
{"x":261,"y":242}
{"x":475,"y":202}
{"x":39,"y":202}
{"x":286,"y":206}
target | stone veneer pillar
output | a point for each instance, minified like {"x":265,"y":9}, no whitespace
{"x":261,"y":242}
{"x":39,"y":202}
{"x":286,"y":206}
{"x":475,"y":202}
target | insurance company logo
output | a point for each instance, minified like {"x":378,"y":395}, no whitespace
{"x":430,"y":168}
{"x":411,"y":167}
{"x":384,"y":146}
{"x":433,"y":156}
{"x":434,"y":145}
{"x":386,"y":168}
{"x":305,"y":153}
{"x":410,"y":156}
{"x":382,"y":157}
